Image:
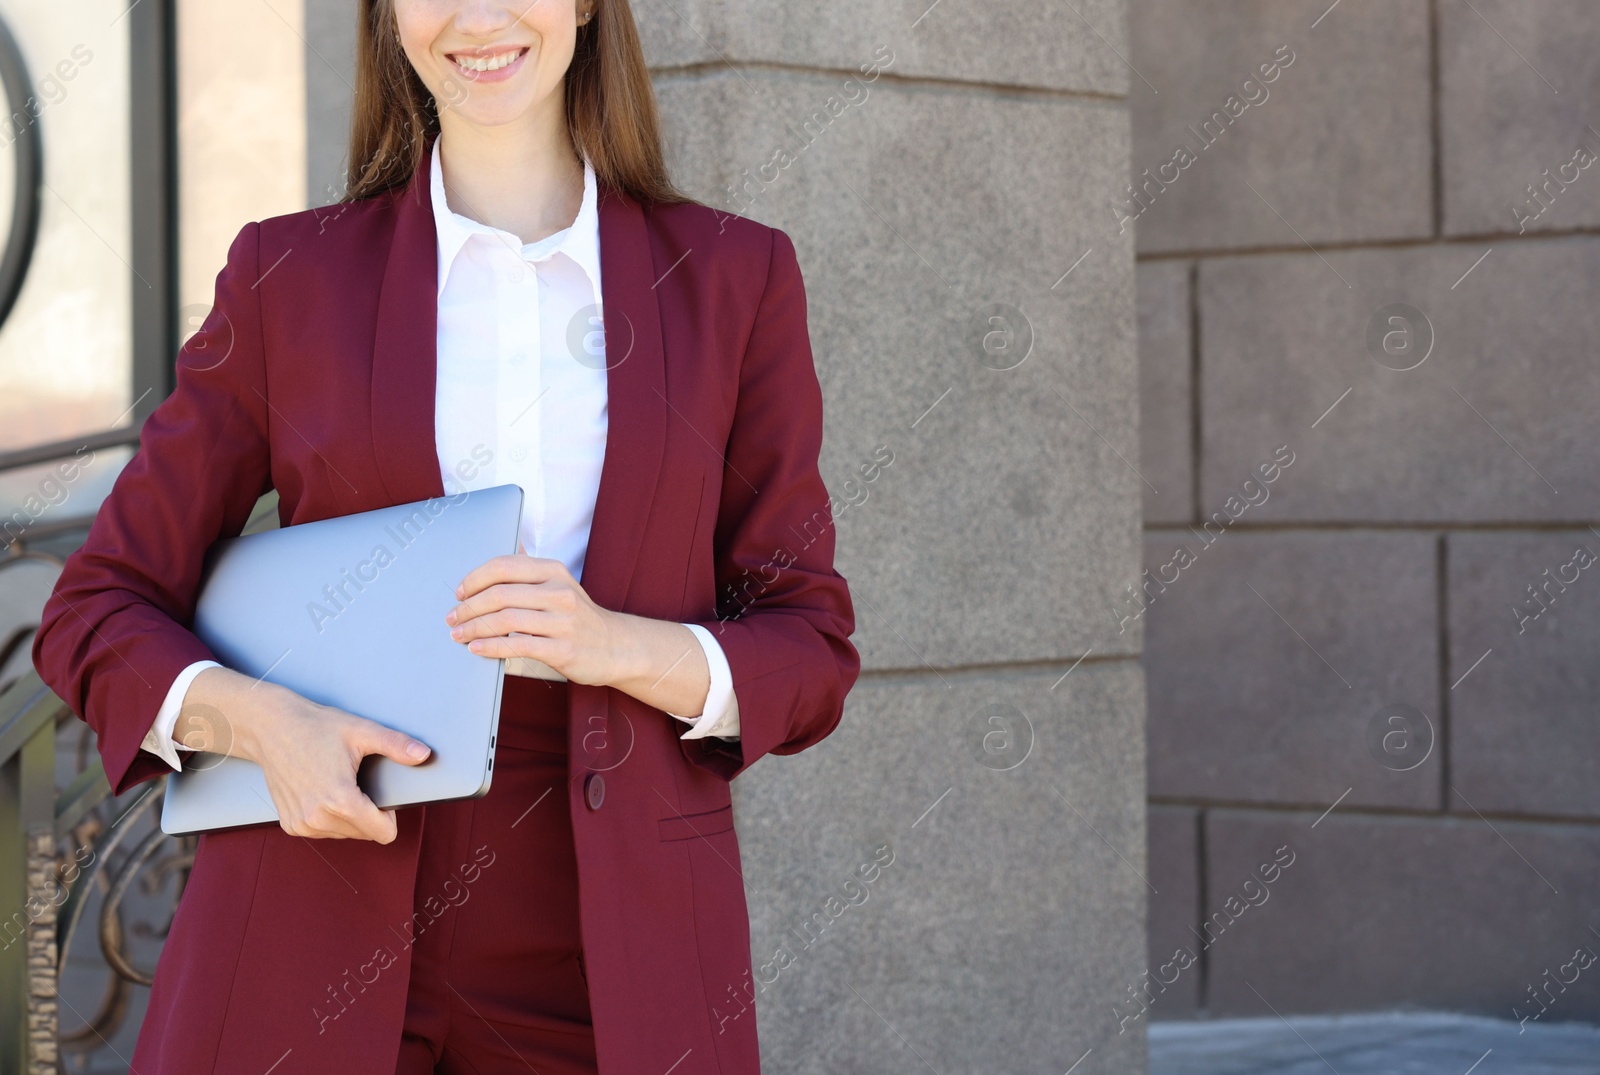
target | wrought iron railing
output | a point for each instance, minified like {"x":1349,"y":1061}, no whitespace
{"x":69,"y":850}
{"x":53,"y":794}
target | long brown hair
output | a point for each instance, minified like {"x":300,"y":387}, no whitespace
{"x":611,"y":107}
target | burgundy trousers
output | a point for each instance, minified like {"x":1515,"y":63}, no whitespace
{"x":497,"y":981}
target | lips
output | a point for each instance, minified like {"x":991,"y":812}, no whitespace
{"x":480,"y":62}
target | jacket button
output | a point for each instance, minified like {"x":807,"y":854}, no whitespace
{"x":594,"y":790}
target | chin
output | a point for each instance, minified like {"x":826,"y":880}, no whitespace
{"x":496,"y":117}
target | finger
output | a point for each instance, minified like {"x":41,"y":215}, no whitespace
{"x":541,"y":597}
{"x":510,"y":621}
{"x":376,"y":825}
{"x":353,"y":815}
{"x":509,"y":569}
{"x":380,"y":825}
{"x":518,"y":645}
{"x":326,"y":822}
{"x":370,"y":737}
{"x":531,"y":595}
{"x":515,"y":568}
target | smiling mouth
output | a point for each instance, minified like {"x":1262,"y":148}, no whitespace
{"x":483,"y":63}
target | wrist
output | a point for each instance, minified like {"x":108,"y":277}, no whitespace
{"x":222,"y":713}
{"x":629,"y":653}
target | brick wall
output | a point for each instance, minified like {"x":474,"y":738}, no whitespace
{"x":1372,"y":747}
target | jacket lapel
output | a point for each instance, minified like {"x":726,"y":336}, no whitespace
{"x":405,"y":357}
{"x":636,"y":388}
{"x":405,"y":352}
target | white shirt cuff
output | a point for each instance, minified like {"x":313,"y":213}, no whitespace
{"x":158,"y":740}
{"x":721,"y":714}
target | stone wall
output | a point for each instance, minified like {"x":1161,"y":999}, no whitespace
{"x":1373,"y":748}
{"x":972,"y":316}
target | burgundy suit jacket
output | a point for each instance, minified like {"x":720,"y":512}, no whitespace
{"x":314,"y":374}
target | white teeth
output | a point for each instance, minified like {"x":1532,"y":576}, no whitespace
{"x":491,"y":63}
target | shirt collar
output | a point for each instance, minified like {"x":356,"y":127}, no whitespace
{"x":580,"y":241}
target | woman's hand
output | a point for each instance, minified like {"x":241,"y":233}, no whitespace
{"x":531,"y":606}
{"x":309,"y":752}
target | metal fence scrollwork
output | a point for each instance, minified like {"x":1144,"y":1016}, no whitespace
{"x":88,"y":882}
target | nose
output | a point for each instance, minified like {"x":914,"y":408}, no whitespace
{"x":486,"y":18}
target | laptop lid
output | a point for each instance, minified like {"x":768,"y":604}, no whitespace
{"x":349,"y":612}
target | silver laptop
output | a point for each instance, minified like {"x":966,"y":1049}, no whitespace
{"x":349,"y":612}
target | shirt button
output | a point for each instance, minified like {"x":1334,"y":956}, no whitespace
{"x":515,"y":275}
{"x":518,"y":454}
{"x":519,"y":358}
{"x":594,"y":790}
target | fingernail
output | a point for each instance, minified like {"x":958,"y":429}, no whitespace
{"x":416,"y":750}
{"x":458,"y":591}
{"x":450,"y":617}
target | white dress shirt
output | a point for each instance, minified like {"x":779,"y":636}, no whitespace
{"x":513,"y":405}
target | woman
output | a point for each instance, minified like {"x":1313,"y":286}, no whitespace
{"x":588,"y":913}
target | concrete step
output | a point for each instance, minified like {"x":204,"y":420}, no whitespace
{"x":1383,"y":1043}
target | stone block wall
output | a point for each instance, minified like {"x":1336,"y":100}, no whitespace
{"x":1368,"y":260}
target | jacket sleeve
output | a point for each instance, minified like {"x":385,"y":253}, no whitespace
{"x":115,"y":631}
{"x":783,"y":614}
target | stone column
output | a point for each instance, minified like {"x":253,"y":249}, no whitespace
{"x":946,"y":173}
